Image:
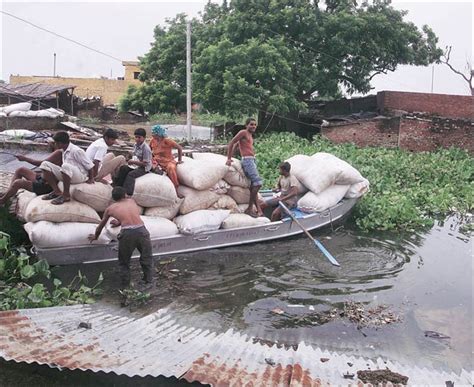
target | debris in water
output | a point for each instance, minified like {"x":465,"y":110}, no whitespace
{"x":269,"y":361}
{"x":324,"y":359}
{"x":436,"y":335}
{"x":277,"y":311}
{"x":372,"y":317}
{"x":85,"y":325}
{"x":382,"y":376}
{"x":348,"y":375}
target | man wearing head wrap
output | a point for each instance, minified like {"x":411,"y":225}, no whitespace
{"x":162,"y":149}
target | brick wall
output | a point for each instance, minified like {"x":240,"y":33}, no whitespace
{"x":445,"y":105}
{"x":429,"y":134}
{"x":376,"y":132}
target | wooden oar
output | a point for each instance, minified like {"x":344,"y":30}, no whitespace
{"x":318,"y":244}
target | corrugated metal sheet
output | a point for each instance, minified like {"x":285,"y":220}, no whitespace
{"x":31,"y":90}
{"x":158,"y":345}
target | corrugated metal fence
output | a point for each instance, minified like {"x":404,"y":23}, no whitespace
{"x":112,"y":340}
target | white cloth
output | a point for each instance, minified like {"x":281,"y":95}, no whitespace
{"x":75,"y":156}
{"x":97,"y":150}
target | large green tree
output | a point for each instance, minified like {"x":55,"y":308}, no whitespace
{"x":272,"y":55}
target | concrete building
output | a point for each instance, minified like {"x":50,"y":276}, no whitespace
{"x":109,"y":89}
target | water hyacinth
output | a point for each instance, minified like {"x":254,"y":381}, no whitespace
{"x":408,"y":190}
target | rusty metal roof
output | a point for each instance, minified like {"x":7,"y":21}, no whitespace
{"x":31,"y":90}
{"x":158,"y":344}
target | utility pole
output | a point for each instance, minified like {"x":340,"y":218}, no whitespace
{"x":432,"y":79}
{"x":54,"y":65}
{"x":188,"y":80}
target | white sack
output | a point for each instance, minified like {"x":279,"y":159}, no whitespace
{"x":18,"y":113}
{"x":234,"y":176}
{"x":199,"y":174}
{"x":225,"y":202}
{"x":18,"y":133}
{"x":243,"y":220}
{"x":196,"y":200}
{"x":47,"y":234}
{"x":201,"y":221}
{"x":22,"y":106}
{"x":152,"y":190}
{"x":72,"y":211}
{"x":241,"y":208}
{"x":347,"y":173}
{"x":168,"y":212}
{"x":312,"y":202}
{"x":23,"y":199}
{"x":322,"y":170}
{"x":97,"y":195}
{"x":358,"y":189}
{"x":157,"y":227}
{"x":220,"y":188}
{"x":239,"y":194}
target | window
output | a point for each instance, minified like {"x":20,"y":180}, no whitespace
{"x":136,"y":74}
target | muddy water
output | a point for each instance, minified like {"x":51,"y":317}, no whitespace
{"x":287,"y":292}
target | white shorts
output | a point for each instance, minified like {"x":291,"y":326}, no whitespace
{"x":74,"y":173}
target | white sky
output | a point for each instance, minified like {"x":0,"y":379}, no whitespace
{"x":125,"y":30}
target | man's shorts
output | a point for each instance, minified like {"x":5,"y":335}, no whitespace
{"x":250,"y":168}
{"x":70,"y":170}
{"x":290,"y":203}
{"x":40,"y":187}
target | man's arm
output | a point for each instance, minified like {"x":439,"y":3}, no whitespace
{"x":293,"y":192}
{"x":55,"y":158}
{"x":232,"y":144}
{"x":98,"y":230}
{"x":180,"y":153}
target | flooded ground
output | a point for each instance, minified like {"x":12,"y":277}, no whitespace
{"x":286,"y":292}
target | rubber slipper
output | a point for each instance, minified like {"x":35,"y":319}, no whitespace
{"x":60,"y":200}
{"x":50,"y":196}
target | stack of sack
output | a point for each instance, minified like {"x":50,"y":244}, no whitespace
{"x":22,"y":109}
{"x":214,"y":197}
{"x":206,"y":205}
{"x":327,"y":180}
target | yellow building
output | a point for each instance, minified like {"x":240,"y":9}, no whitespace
{"x":109,"y":89}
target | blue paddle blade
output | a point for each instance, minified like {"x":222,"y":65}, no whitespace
{"x":326,"y":253}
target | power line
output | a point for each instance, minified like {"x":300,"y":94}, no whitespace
{"x":61,"y":36}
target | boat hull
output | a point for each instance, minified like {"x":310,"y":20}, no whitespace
{"x":178,"y":244}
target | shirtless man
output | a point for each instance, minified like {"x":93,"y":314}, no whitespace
{"x":133,"y":235}
{"x":25,"y":178}
{"x":244,"y":140}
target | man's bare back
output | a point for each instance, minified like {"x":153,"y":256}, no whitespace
{"x":126,"y":211}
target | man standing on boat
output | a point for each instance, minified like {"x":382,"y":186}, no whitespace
{"x":133,"y":235}
{"x":244,"y":139}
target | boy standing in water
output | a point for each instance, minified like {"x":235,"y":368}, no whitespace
{"x":245,"y":141}
{"x":132,"y":235}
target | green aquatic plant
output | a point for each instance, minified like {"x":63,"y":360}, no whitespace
{"x":407,"y":190}
{"x":28,"y":284}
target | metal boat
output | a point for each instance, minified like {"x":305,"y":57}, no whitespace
{"x":180,"y":243}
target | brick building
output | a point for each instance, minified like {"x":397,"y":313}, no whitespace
{"x":110,"y":90}
{"x":411,"y":121}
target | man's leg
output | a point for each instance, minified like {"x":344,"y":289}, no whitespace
{"x":146,"y":255}
{"x":23,"y":172}
{"x":122,"y":175}
{"x":276,"y":214}
{"x":254,"y":202}
{"x":129,"y":184}
{"x":51,"y":174}
{"x":110,"y":165}
{"x":13,"y":189}
{"x":126,"y":242}
{"x":66,"y":186}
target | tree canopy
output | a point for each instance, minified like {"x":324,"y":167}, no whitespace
{"x":272,"y":55}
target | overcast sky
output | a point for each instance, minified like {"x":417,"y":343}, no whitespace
{"x":124,"y":30}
